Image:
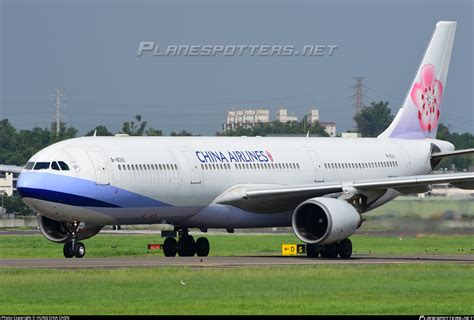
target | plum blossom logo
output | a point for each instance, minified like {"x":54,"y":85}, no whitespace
{"x":427,"y":96}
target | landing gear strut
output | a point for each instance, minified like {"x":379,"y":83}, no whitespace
{"x":342,"y":249}
{"x":186,"y":246}
{"x":72,"y":248}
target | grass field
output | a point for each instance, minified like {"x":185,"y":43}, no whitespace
{"x":424,"y":208}
{"x":390,"y":289}
{"x":416,"y":288}
{"x":107,"y":245}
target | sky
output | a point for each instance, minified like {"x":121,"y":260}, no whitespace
{"x":89,"y":49}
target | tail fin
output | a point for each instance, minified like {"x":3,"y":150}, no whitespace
{"x":418,"y":117}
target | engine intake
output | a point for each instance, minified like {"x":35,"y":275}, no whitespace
{"x":58,"y":231}
{"x":325,"y":220}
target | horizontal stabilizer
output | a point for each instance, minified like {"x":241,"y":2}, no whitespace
{"x":442,"y":155}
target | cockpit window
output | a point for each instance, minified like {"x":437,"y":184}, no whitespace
{"x":55,"y":166}
{"x":41,"y":165}
{"x":63,"y":165}
{"x":29,"y":165}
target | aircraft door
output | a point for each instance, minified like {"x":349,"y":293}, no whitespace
{"x":318,"y":176}
{"x":100,"y":167}
{"x":194,"y":167}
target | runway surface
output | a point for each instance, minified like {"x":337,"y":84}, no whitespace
{"x":225,"y":262}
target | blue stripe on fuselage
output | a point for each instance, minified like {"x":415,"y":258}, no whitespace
{"x":64,"y":198}
{"x":80,"y":192}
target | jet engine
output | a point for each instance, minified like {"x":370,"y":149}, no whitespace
{"x":325,"y":220}
{"x":58,"y":231}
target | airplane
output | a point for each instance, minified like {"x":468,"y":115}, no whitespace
{"x":321,"y":187}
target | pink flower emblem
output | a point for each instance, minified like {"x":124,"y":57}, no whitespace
{"x":427,"y":96}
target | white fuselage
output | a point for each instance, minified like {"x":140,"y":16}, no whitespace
{"x":138,"y":180}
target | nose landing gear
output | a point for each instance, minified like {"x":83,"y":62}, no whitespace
{"x":72,"y":248}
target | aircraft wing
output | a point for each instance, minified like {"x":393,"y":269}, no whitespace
{"x":279,"y":198}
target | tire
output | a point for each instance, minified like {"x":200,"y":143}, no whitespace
{"x":79,"y":250}
{"x":67,"y":250}
{"x":202,"y":247}
{"x":170,"y":247}
{"x":312,"y":250}
{"x":330,"y":251}
{"x":345,"y":248}
{"x":186,"y":246}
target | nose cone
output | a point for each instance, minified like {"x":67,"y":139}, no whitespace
{"x":28,"y":184}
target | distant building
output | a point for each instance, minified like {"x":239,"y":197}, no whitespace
{"x":8,"y":178}
{"x":313,"y":116}
{"x":246,"y":118}
{"x":330,"y":128}
{"x":282,"y":116}
{"x":350,"y":135}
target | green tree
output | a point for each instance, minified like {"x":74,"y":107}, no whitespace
{"x":374,"y":119}
{"x":277,"y":127}
{"x":180,"y":133}
{"x":460,"y":141}
{"x":15,"y":204}
{"x":134,"y":129}
{"x":139,"y":128}
{"x":100,"y":131}
{"x":153,"y":132}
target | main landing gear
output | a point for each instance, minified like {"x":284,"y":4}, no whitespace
{"x":342,"y":249}
{"x":72,"y":248}
{"x":186,"y":246}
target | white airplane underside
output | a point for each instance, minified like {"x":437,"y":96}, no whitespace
{"x":319,"y":186}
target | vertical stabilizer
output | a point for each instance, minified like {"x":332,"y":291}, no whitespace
{"x":419,"y":115}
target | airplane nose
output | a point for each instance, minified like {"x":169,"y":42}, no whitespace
{"x":28,"y":184}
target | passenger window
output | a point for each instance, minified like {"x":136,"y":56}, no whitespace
{"x":128,"y":167}
{"x":119,"y":167}
{"x":41,"y":166}
{"x":55,"y":166}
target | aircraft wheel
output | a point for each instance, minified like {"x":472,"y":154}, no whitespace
{"x":186,"y":246}
{"x":345,"y":248}
{"x":202,"y":247}
{"x":312,"y":250}
{"x":330,"y":251}
{"x":79,"y":250}
{"x":170,"y":247}
{"x":68,"y":250}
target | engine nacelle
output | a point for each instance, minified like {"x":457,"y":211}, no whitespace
{"x":325,"y":220}
{"x":58,"y":231}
